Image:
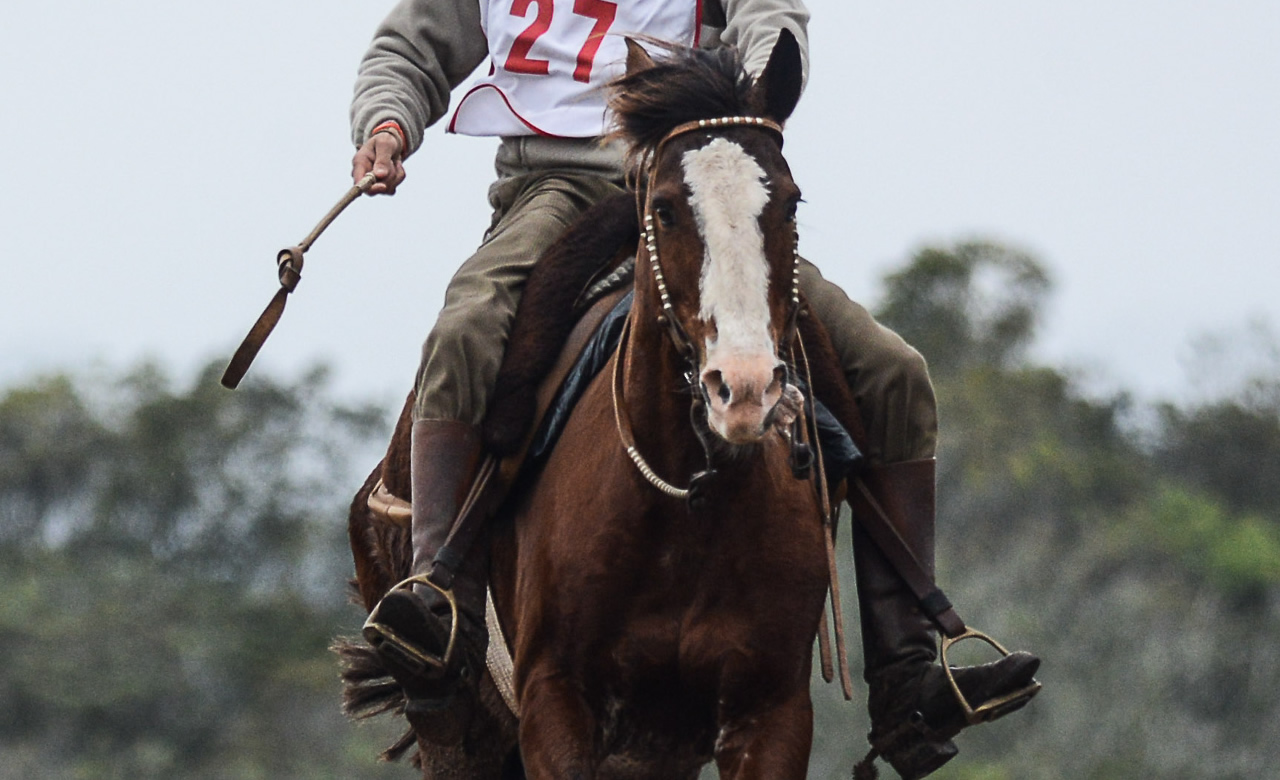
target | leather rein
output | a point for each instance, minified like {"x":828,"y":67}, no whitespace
{"x":667,"y":318}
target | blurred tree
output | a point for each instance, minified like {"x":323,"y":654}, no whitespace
{"x":1015,"y":439}
{"x":1226,"y":448}
{"x":1150,"y":584}
{"x":976,"y":303}
{"x":1228,"y":445}
{"x":1229,"y":448}
{"x":48,"y":442}
{"x":174,"y":568}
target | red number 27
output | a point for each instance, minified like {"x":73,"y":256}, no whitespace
{"x":518,"y":60}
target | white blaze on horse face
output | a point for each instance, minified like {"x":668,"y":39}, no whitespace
{"x":728,"y":194}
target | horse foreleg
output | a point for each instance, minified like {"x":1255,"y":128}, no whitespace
{"x":770,"y":745}
{"x":557,"y":730}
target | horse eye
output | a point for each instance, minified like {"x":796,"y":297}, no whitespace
{"x":791,"y":210}
{"x":665,"y":215}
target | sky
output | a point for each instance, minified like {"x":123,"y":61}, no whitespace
{"x":160,"y":153}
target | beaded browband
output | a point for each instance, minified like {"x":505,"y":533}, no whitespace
{"x":719,"y":122}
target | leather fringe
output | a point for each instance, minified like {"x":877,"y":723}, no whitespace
{"x":866,"y":768}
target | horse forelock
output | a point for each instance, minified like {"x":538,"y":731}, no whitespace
{"x":683,"y":86}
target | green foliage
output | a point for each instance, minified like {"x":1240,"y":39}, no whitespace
{"x":1238,"y":554}
{"x":174,"y":569}
{"x":1143,"y":565}
{"x":1230,"y":448}
{"x":48,"y":440}
{"x":975,"y":303}
{"x":1023,"y":434}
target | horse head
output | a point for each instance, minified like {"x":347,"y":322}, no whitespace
{"x":718,"y":207}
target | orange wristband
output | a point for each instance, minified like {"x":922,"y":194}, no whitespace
{"x":392,"y":126}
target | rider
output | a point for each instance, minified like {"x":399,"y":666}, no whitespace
{"x":543,"y":97}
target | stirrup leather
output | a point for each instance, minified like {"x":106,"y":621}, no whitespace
{"x":995,"y":708}
{"x":415,"y":660}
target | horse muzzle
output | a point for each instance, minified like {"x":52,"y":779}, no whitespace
{"x":741,"y":394}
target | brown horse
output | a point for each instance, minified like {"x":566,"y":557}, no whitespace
{"x":662,"y":580}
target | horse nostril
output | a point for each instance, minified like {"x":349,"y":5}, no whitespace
{"x":713,"y":384}
{"x":779,"y":376}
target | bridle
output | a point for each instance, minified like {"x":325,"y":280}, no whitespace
{"x":667,"y":318}
{"x":644,"y":205}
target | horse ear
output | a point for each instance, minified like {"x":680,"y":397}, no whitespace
{"x":637,"y":58}
{"x":779,"y":85}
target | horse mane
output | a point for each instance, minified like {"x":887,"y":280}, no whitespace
{"x":683,"y":85}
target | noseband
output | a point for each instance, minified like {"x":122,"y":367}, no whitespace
{"x":679,"y":337}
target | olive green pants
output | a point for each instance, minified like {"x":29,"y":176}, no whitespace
{"x":543,"y":185}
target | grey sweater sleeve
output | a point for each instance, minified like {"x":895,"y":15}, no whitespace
{"x":753,"y":25}
{"x":421,"y":51}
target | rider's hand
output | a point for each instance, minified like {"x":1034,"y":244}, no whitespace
{"x":382,"y":154}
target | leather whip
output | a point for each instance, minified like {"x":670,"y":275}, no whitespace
{"x":289,"y":271}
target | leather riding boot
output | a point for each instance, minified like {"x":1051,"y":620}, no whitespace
{"x":914,"y":712}
{"x":411,"y":627}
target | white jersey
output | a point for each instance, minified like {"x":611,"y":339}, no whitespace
{"x":550,"y":60}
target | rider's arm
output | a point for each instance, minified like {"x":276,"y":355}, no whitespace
{"x":753,"y":25}
{"x":421,"y":51}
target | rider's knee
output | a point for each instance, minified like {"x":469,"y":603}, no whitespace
{"x":468,"y":335}
{"x":898,"y":403}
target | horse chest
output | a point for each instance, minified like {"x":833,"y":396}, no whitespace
{"x":702,"y":599}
